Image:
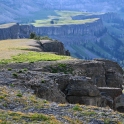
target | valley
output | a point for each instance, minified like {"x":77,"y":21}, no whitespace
{"x":61,"y":62}
{"x":86,"y":35}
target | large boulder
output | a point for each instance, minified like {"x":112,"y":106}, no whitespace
{"x":66,"y":88}
{"x":53,"y":46}
{"x":103,"y":73}
{"x":45,"y":87}
{"x":80,"y":86}
{"x":79,"y":89}
{"x":111,"y":91}
{"x":119,"y":103}
{"x":113,"y":73}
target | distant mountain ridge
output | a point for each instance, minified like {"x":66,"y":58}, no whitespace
{"x":88,"y":5}
{"x":13,"y":10}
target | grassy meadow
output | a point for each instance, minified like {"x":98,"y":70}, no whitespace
{"x":63,"y":18}
{"x":24,"y":50}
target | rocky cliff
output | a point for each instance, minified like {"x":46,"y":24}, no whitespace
{"x":65,"y":32}
{"x":9,"y":31}
{"x":74,"y":29}
{"x":108,"y":17}
{"x":53,"y":46}
{"x":96,"y":82}
{"x":60,"y":32}
{"x":85,"y":41}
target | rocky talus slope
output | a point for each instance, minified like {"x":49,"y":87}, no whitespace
{"x":55,"y":89}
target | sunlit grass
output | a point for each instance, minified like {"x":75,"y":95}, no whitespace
{"x":62,"y":21}
{"x":20,"y":50}
{"x":7,"y":25}
{"x":33,"y":57}
{"x":64,"y":18}
{"x":12,"y":47}
{"x":10,"y":117}
{"x":28,"y":100}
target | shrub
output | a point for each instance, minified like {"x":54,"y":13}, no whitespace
{"x":9,"y":69}
{"x":42,"y":81}
{"x":77,"y":108}
{"x":19,"y":94}
{"x":15,"y":75}
{"x":32,"y":35}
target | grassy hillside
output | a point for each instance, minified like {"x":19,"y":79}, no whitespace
{"x":10,"y":48}
{"x":24,"y":50}
{"x":62,"y":18}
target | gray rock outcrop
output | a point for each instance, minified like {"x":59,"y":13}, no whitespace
{"x":99,"y":70}
{"x":109,"y":86}
{"x":119,"y":103}
{"x":80,"y":90}
{"x":9,"y":31}
{"x":84,"y":81}
{"x":48,"y":90}
{"x":111,"y":91}
{"x":59,"y":32}
{"x":66,"y":88}
{"x":53,"y":46}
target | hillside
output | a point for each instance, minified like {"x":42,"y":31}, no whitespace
{"x":44,"y":88}
{"x":40,"y":83}
{"x":107,"y":37}
{"x":85,"y":35}
{"x":13,"y":11}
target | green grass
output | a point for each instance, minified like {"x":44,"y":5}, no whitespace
{"x":64,"y":21}
{"x":33,"y":57}
{"x":77,"y":108}
{"x":62,"y":18}
{"x":89,"y":113}
{"x":61,"y":68}
{"x":19,"y":94}
{"x":10,"y":117}
{"x":15,"y":75}
{"x":10,"y":95}
{"x":9,"y":69}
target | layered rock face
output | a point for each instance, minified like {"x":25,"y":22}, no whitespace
{"x":119,"y":103}
{"x":99,"y":70}
{"x":78,"y":89}
{"x":108,"y":17}
{"x":69,"y":34}
{"x":107,"y":76}
{"x":9,"y":31}
{"x":25,"y":30}
{"x":74,"y":34}
{"x":65,"y":33}
{"x":74,"y":29}
{"x":110,"y":91}
{"x":101,"y":88}
{"x":15,"y":31}
{"x":84,"y":82}
{"x":53,"y":46}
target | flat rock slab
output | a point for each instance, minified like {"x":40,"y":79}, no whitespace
{"x":111,"y":91}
